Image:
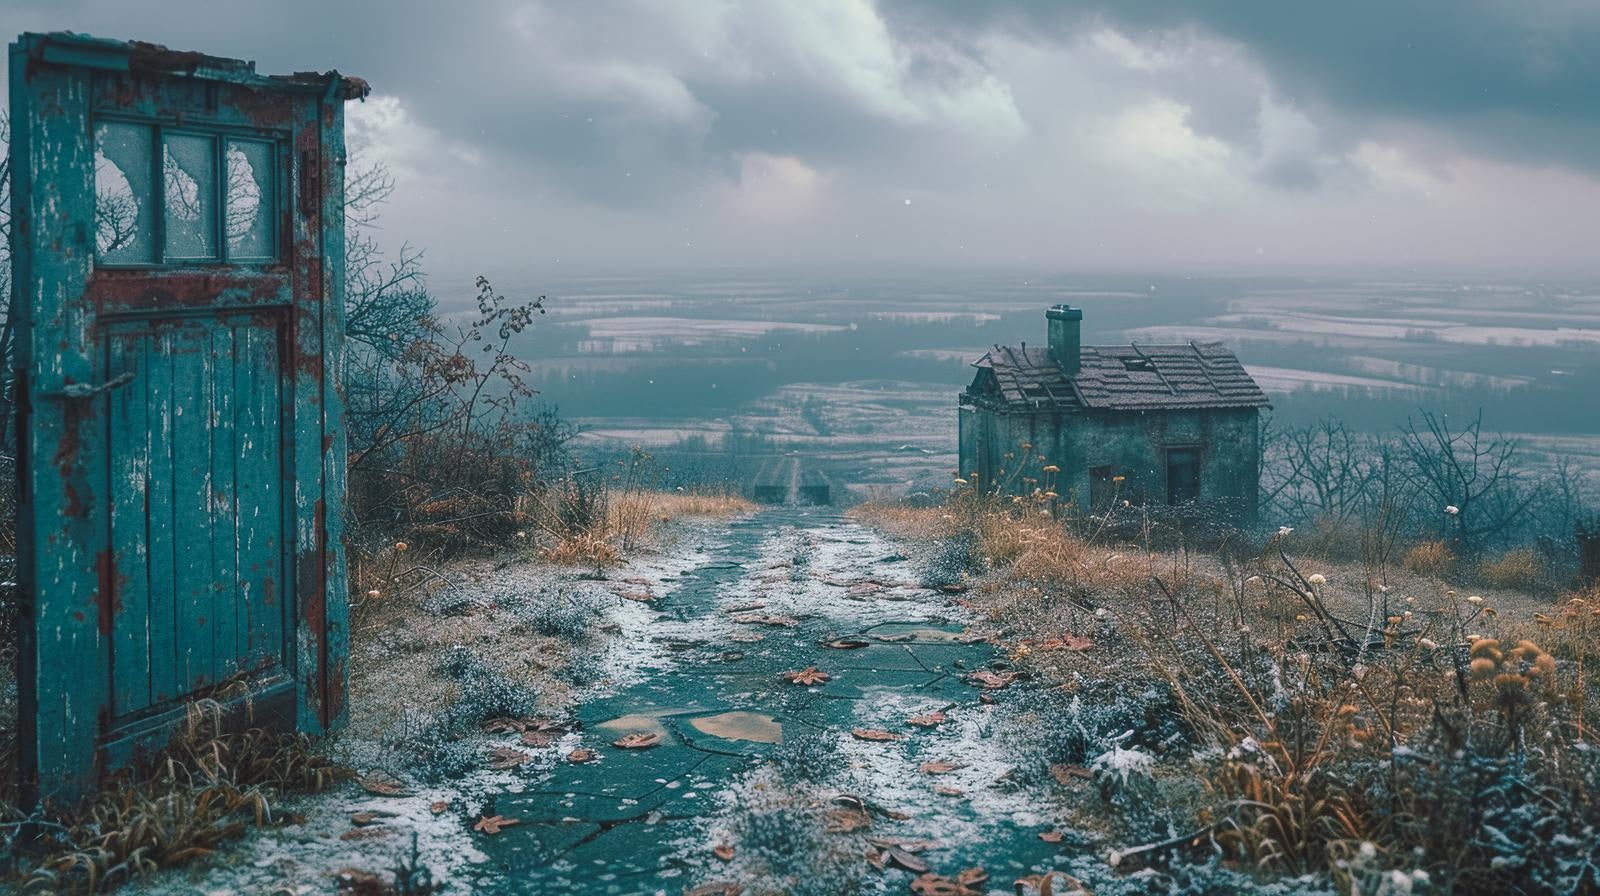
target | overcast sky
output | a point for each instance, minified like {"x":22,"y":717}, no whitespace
{"x":1208,"y":135}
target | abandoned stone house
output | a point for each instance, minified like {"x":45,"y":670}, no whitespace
{"x":1102,"y":424}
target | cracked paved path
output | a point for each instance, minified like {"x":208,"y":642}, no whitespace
{"x":701,"y":667}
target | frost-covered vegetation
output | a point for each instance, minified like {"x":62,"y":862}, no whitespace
{"x":1264,"y":717}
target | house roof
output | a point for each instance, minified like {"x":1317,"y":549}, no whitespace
{"x":1126,"y":377}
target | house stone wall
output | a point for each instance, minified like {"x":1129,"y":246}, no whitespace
{"x":1133,"y":443}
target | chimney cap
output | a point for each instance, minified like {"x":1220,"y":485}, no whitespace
{"x":1064,"y":312}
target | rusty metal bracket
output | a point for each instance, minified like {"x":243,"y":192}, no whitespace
{"x":84,"y":390}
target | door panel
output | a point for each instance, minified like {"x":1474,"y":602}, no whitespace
{"x":195,"y":436}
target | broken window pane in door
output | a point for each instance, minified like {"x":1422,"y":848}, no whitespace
{"x":248,"y":222}
{"x":189,"y":167}
{"x":124,"y":194}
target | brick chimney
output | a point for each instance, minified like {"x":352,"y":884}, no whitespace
{"x":1064,"y":323}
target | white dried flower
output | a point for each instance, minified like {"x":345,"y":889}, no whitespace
{"x":1452,"y":509}
{"x":1427,"y":643}
{"x":1318,"y":578}
{"x":1284,"y":531}
{"x":1475,"y":599}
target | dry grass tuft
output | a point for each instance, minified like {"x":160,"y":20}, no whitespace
{"x":1430,"y":558}
{"x":1514,"y":569}
{"x":624,"y":520}
{"x":205,"y":789}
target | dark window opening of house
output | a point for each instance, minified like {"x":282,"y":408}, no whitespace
{"x":1102,"y":488}
{"x":1183,"y":475}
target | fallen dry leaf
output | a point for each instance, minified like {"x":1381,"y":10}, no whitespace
{"x":719,"y":888}
{"x":944,"y":790}
{"x":1052,"y":836}
{"x":369,"y":816}
{"x":637,"y":741}
{"x":928,"y":720}
{"x":808,"y":676}
{"x":1064,"y":641}
{"x":845,"y":643}
{"x":876,"y":858}
{"x":642,"y":597}
{"x":367,"y":833}
{"x":902,"y":843}
{"x":439,"y":807}
{"x":992,"y":680}
{"x":906,"y":860}
{"x":1044,"y":884}
{"x":538,"y":738}
{"x":383,"y":785}
{"x":491,"y":824}
{"x":1066,"y":774}
{"x":745,"y":608}
{"x":972,"y":878}
{"x":773,"y":619}
{"x":936,"y":885}
{"x":354,"y":880}
{"x":502,"y":758}
{"x":843,"y":821}
{"x":939,"y":767}
{"x":582,"y":754}
{"x":723,"y":852}
{"x":874,"y":734}
{"x":747,"y":637}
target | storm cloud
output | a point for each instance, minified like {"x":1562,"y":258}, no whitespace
{"x":1438,"y":136}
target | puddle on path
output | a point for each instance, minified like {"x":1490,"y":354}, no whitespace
{"x":636,"y":723}
{"x":740,"y":725}
{"x":906,"y":631}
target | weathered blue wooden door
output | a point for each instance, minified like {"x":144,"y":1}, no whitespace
{"x":178,"y":286}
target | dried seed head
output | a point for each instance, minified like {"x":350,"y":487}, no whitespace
{"x":1543,"y":667}
{"x":1483,"y":667}
{"x":401,"y":546}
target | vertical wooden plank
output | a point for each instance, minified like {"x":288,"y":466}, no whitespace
{"x":165,"y":677}
{"x":227,"y":597}
{"x":65,"y":684}
{"x":303,"y":436}
{"x":261,"y":528}
{"x":130,"y":475}
{"x":335,"y":447}
{"x":191,"y":507}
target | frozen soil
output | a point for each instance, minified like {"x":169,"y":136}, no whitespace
{"x":817,"y":786}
